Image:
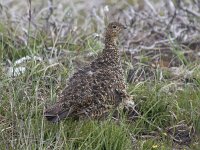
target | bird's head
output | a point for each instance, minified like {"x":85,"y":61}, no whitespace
{"x":114,"y":29}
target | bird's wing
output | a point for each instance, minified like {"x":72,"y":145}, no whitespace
{"x":76,"y":95}
{"x":78,"y":91}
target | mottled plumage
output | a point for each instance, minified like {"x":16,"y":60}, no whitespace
{"x":97,"y":88}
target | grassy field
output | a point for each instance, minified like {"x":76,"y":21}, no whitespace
{"x":37,"y":61}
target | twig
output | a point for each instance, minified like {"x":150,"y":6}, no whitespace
{"x":196,"y":14}
{"x":29,"y":20}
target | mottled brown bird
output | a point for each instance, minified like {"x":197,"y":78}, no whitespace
{"x":96,"y":89}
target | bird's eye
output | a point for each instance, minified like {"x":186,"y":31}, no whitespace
{"x":114,"y":26}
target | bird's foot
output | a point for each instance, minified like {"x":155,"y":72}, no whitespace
{"x":130,"y":110}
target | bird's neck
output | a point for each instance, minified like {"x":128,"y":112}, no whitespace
{"x":110,"y":49}
{"x":110,"y":42}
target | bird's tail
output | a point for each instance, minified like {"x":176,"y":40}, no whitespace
{"x":57,"y":113}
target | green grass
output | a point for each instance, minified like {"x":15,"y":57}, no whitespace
{"x":161,"y":104}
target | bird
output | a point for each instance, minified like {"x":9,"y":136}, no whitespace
{"x":96,"y":89}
